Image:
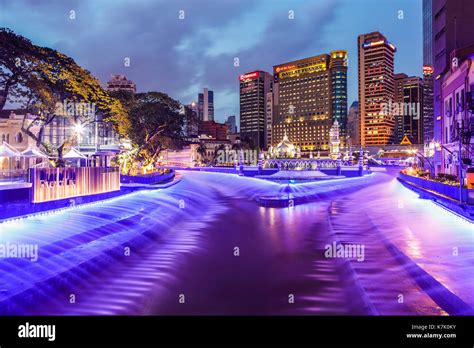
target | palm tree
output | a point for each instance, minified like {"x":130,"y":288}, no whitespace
{"x":236,"y":146}
{"x":217,"y":150}
{"x":201,"y":150}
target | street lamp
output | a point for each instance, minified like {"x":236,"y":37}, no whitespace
{"x":417,"y":153}
{"x":436,"y":145}
{"x":412,"y":152}
{"x":78,"y":128}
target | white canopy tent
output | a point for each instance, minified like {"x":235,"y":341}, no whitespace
{"x":7,"y":152}
{"x":75,"y":154}
{"x":33,"y":153}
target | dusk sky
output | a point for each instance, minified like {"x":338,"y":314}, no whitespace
{"x":181,"y":56}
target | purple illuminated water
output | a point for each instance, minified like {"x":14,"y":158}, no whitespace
{"x":182,"y":241}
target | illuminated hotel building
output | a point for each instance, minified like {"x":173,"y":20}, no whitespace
{"x":376,"y":89}
{"x":308,"y":96}
{"x":254,"y":87}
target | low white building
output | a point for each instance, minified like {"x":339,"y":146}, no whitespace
{"x":10,"y":129}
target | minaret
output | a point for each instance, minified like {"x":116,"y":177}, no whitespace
{"x":334,"y":140}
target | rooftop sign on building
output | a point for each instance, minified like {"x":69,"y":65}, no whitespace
{"x":427,"y":70}
{"x":249,"y":76}
{"x":313,"y":68}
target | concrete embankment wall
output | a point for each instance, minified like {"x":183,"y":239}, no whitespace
{"x":443,"y":194}
{"x":15,"y":202}
{"x":147,"y":179}
{"x":253,"y":171}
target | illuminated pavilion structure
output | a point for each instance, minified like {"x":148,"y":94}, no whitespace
{"x":284,"y":149}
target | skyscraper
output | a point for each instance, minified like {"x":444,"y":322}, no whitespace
{"x":309,"y":95}
{"x":428,"y":80}
{"x":427,"y":32}
{"x":338,"y":68}
{"x":206,"y":105}
{"x":376,"y":88}
{"x":254,"y":87}
{"x":231,"y":124}
{"x":407,"y":109}
{"x":269,"y":119}
{"x":353,"y":124}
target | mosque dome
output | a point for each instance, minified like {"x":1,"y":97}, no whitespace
{"x":285,"y":148}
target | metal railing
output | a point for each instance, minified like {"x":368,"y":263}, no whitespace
{"x":13,"y":175}
{"x":305,"y":164}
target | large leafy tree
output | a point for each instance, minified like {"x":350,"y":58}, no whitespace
{"x":38,"y":78}
{"x":156,"y":124}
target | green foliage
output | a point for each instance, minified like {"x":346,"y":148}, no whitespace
{"x":447,"y":179}
{"x":38,"y":78}
{"x":423,"y":173}
{"x":156,"y":123}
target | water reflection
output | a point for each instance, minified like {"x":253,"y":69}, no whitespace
{"x":181,"y":240}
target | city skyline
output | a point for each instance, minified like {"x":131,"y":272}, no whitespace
{"x":300,"y":159}
{"x":211,"y":43}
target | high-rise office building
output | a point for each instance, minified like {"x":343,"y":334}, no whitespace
{"x":121,"y":83}
{"x":269,"y":119}
{"x":353,"y":124}
{"x":206,"y":105}
{"x":427,"y":32}
{"x":309,"y":95}
{"x":338,"y":69}
{"x":428,"y":78}
{"x":408,"y":109}
{"x":231,"y":124}
{"x":376,"y":88}
{"x":254,"y":87}
{"x":452,"y":28}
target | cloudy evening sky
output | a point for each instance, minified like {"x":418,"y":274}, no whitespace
{"x":181,"y":56}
